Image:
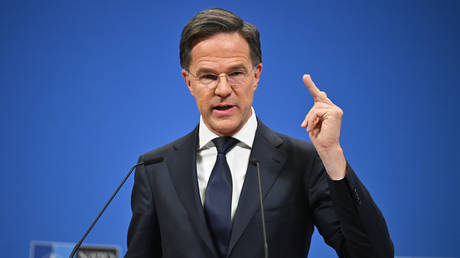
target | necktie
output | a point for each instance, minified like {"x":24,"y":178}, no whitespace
{"x":218,"y":200}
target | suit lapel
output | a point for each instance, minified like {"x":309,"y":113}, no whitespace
{"x":265,"y":150}
{"x":182,"y":168}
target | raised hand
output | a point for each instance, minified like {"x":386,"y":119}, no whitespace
{"x":323,"y":123}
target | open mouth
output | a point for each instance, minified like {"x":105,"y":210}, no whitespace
{"x":223,"y":107}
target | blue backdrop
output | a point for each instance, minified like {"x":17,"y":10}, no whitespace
{"x":87,"y":86}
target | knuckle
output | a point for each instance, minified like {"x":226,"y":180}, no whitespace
{"x":339,"y":111}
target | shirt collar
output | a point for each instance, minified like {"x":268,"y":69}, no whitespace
{"x":245,"y":135}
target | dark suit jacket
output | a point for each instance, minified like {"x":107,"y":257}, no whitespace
{"x":168,"y":217}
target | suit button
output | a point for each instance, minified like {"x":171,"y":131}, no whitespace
{"x":356,"y":195}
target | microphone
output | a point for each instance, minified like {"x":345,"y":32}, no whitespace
{"x":149,"y":159}
{"x":262,"y":216}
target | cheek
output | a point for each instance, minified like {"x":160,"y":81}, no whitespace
{"x":247,"y":96}
{"x":202,"y":99}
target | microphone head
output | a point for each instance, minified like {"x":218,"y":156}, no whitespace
{"x":254,"y":162}
{"x":149,"y":160}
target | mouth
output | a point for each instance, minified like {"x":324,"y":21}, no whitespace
{"x":223,"y":107}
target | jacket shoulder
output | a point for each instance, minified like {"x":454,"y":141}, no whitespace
{"x":284,"y":141}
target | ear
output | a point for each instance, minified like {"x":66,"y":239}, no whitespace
{"x":258,"y":71}
{"x":186,"y":76}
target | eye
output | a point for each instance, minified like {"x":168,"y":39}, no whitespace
{"x":208,"y":77}
{"x":236,"y":74}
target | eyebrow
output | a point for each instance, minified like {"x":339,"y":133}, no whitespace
{"x":231,"y":68}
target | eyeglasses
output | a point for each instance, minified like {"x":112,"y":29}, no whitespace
{"x":211,"y":80}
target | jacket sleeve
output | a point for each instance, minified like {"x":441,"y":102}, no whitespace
{"x":143,"y":234}
{"x":346,"y":216}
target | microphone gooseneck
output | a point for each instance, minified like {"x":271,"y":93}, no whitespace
{"x":148,"y":160}
{"x":262,"y":215}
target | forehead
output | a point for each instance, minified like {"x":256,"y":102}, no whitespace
{"x":220,"y":52}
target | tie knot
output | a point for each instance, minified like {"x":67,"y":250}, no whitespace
{"x":224,"y":144}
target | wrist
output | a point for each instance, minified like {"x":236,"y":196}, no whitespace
{"x":334,"y":162}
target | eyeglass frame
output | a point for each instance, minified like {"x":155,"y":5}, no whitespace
{"x":247,"y":73}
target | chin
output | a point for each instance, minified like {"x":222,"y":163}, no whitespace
{"x":226,"y":128}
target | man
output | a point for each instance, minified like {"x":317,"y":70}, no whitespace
{"x":201,"y":200}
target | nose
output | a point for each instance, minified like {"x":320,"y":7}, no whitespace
{"x":223,"y":88}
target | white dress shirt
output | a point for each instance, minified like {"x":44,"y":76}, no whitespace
{"x":237,"y":158}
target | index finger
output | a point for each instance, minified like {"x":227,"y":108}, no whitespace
{"x":314,"y":91}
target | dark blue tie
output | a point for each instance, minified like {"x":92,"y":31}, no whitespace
{"x":218,"y":201}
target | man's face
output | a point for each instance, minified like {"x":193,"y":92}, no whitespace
{"x":225,"y":108}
